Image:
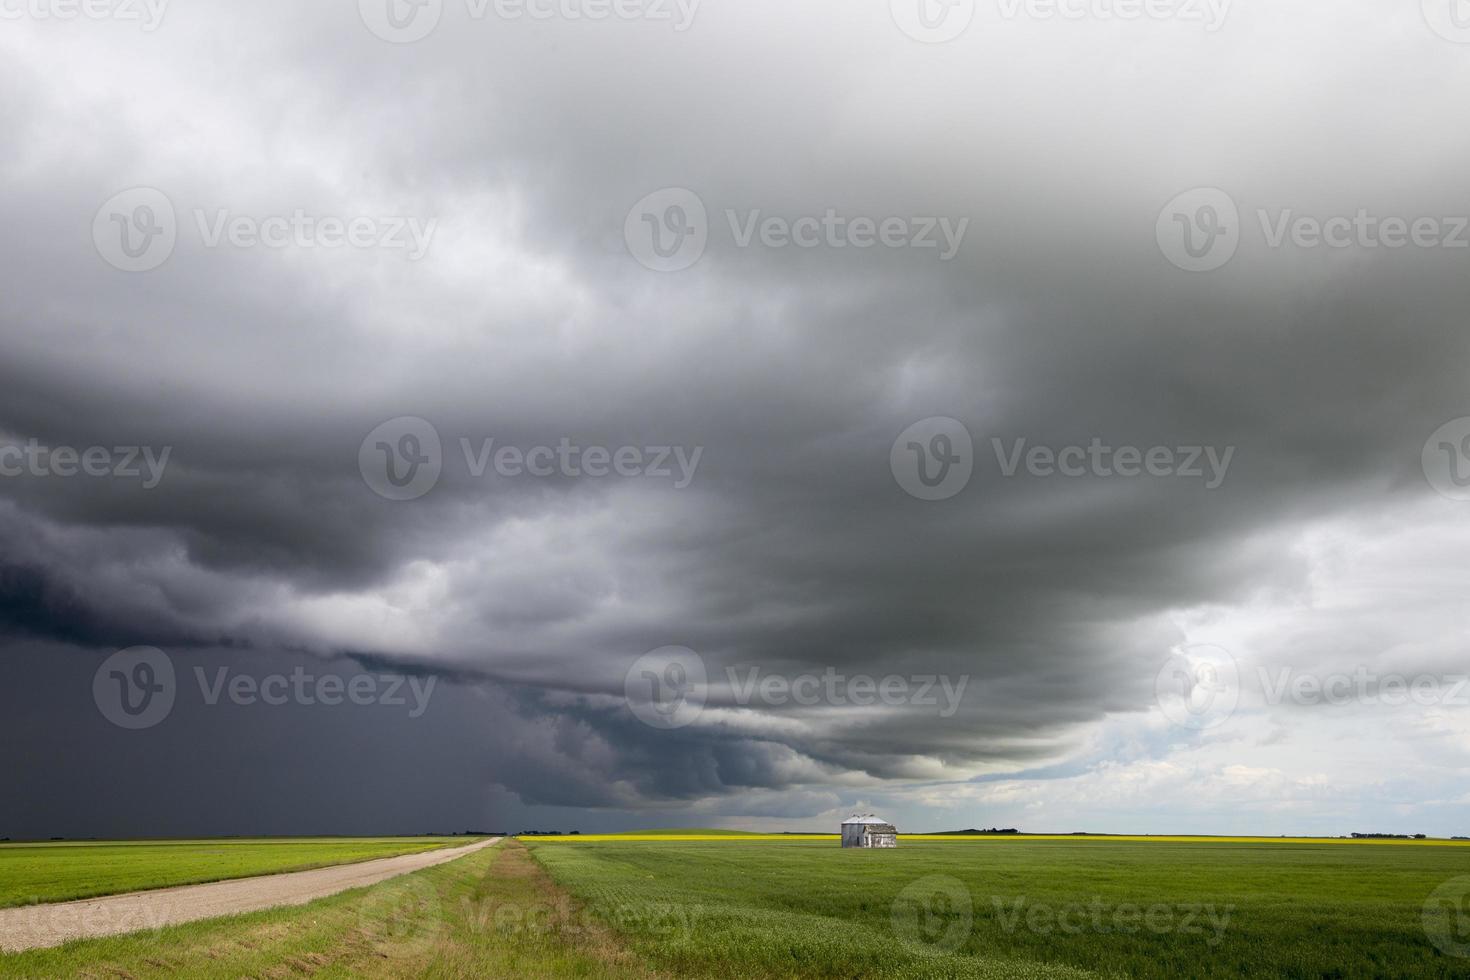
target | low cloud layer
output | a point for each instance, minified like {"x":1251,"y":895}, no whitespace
{"x":757,"y":516}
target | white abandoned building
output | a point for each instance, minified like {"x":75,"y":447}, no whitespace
{"x":868,"y":831}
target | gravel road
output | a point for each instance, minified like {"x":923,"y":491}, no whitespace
{"x":51,"y":925}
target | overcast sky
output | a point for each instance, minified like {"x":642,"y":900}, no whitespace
{"x":1011,"y":414}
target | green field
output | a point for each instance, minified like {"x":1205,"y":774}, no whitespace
{"x":448,"y":921}
{"x":1020,"y":908}
{"x":808,"y":909}
{"x":61,"y":870}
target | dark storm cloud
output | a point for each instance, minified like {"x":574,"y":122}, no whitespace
{"x":793,"y":549}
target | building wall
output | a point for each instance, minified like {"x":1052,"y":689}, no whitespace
{"x":858,"y":835}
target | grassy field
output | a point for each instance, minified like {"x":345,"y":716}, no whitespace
{"x":702,"y":834}
{"x":494,"y":913}
{"x":747,"y":907}
{"x":1020,"y":907}
{"x":61,"y":870}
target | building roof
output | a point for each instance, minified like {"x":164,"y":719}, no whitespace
{"x":856,"y":819}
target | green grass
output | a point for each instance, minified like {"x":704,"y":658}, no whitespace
{"x":493,"y":913}
{"x":648,"y":910}
{"x":61,"y":870}
{"x":812,"y":909}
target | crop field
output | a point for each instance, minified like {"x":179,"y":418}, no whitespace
{"x":1022,"y":906}
{"x":655,"y":906}
{"x":61,"y":870}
